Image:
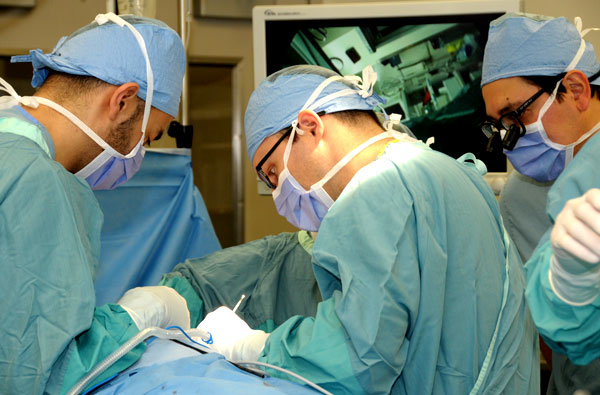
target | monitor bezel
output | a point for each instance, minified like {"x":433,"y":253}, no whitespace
{"x":262,"y":14}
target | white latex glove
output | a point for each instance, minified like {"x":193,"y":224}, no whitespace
{"x":232,"y":337}
{"x":574,"y":271}
{"x":156,"y":306}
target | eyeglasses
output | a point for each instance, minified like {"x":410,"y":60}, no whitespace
{"x":261,"y":174}
{"x":511,"y":123}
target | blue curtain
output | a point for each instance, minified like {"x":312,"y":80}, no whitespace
{"x":152,"y":222}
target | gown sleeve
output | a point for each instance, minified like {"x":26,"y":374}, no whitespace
{"x":49,"y":246}
{"x":567,"y":329}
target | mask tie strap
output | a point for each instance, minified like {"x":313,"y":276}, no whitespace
{"x":34,"y":102}
{"x":586,"y":135}
{"x":79,"y":123}
{"x":579,"y":24}
{"x":369,"y":78}
{"x":391,"y":121}
{"x":288,"y":147}
{"x":365,"y":88}
{"x":549,"y":101}
{"x":349,"y":156}
{"x":319,"y":89}
{"x":24,"y":100}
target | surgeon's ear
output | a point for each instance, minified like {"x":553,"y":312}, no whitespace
{"x":578,"y":86}
{"x":311,"y":123}
{"x":123,"y":102}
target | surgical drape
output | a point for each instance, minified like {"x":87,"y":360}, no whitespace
{"x":151,"y":223}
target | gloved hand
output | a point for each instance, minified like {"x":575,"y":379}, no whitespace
{"x":232,"y":337}
{"x":574,"y":270}
{"x":156,"y":306}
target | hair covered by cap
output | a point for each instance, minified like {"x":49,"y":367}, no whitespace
{"x":112,"y":54}
{"x":278,"y":99}
{"x":521,"y":45}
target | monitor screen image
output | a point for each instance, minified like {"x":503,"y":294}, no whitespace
{"x":427,"y":56}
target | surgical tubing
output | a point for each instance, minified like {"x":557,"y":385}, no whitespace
{"x":128,"y":346}
{"x":289,"y":372}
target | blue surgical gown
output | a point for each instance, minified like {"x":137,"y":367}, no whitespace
{"x":153,"y":221}
{"x":570,"y":330}
{"x":411,"y":264}
{"x":49,"y":247}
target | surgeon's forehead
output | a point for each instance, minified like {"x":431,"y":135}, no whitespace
{"x":507,"y":94}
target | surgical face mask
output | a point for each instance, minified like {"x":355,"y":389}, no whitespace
{"x":306,"y":209}
{"x":538,"y":157}
{"x":110,"y":168}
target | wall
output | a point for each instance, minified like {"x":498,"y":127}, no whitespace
{"x":42,"y":25}
{"x":213,"y":41}
{"x":588,"y":10}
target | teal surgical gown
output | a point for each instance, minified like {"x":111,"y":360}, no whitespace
{"x":412,"y":267}
{"x":523,"y":207}
{"x":570,"y":330}
{"x":49,"y":247}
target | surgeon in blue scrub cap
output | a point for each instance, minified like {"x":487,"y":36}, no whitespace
{"x":104,"y":91}
{"x":411,"y":253}
{"x":541,"y":86}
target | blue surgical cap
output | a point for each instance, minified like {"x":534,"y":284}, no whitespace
{"x":521,"y":45}
{"x":111,"y":53}
{"x":281,"y":96}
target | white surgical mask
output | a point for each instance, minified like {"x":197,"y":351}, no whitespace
{"x":306,"y":209}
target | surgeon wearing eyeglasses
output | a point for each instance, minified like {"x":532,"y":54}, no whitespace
{"x":540,"y":85}
{"x":409,"y":240}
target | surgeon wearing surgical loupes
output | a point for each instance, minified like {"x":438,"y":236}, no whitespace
{"x":411,"y":254}
{"x":104,"y":91}
{"x":541,"y":86}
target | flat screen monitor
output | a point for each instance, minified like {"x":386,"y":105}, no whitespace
{"x":427,"y":55}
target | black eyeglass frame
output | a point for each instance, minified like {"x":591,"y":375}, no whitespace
{"x":514,"y":131}
{"x":261,"y":174}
